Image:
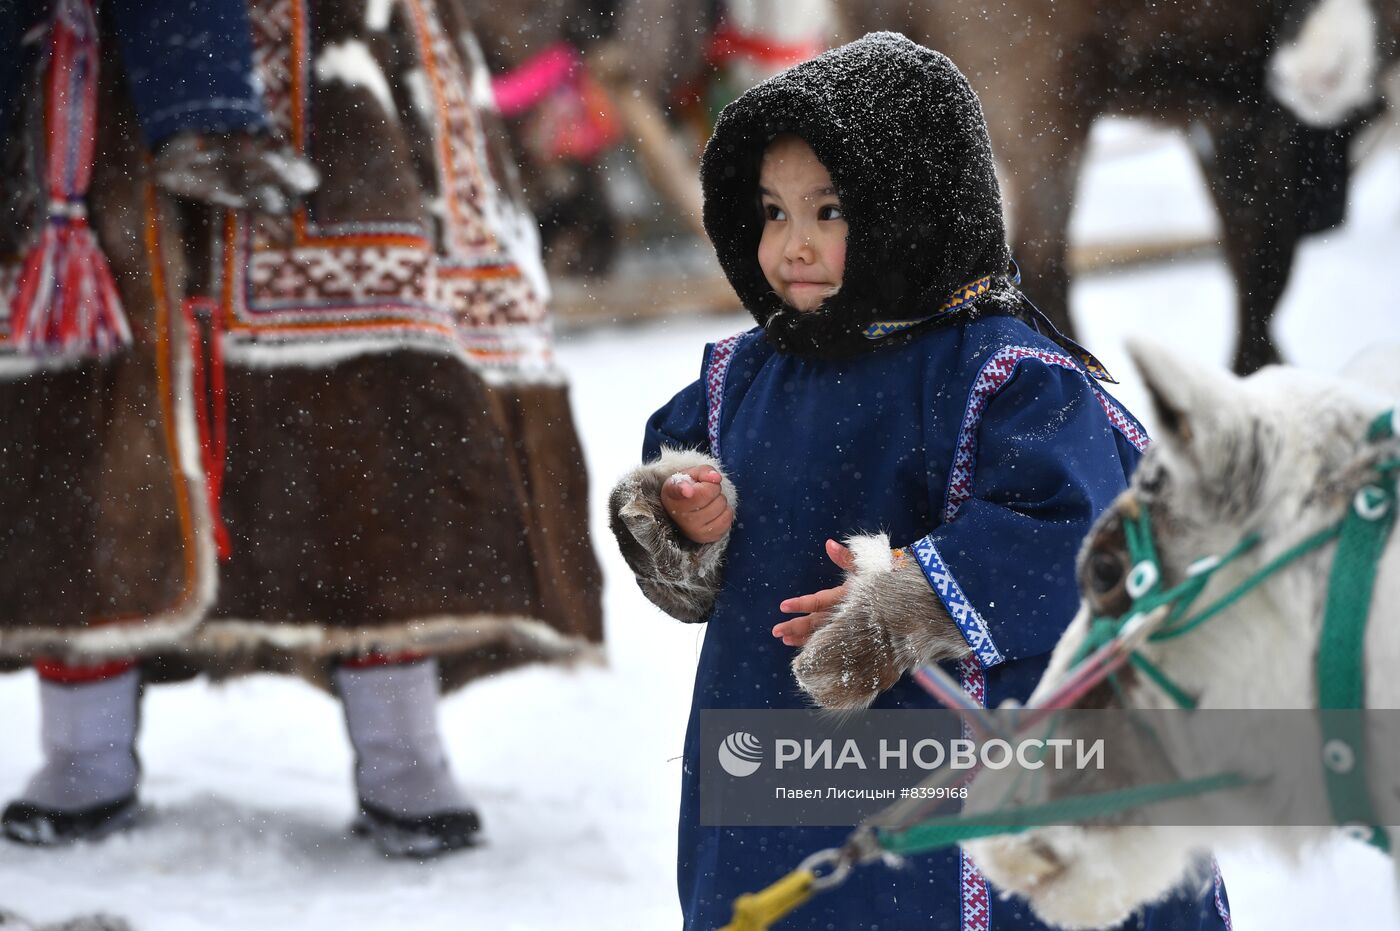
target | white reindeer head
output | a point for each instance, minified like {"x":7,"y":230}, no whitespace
{"x":1328,"y":69}
{"x":1278,"y":455}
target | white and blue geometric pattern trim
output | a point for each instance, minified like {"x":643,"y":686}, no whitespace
{"x":716,"y":371}
{"x":960,"y":609}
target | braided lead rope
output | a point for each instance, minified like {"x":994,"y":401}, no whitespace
{"x":1353,"y":575}
{"x":954,"y":829}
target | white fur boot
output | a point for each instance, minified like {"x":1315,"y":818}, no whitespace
{"x":409,"y":803}
{"x":87,"y":785}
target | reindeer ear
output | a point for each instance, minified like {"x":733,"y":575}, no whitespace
{"x":1187,"y":398}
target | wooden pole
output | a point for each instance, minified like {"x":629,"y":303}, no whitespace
{"x":675,"y":175}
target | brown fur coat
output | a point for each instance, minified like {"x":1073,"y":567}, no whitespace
{"x":401,"y":497}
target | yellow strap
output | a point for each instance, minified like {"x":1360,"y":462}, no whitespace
{"x":755,"y":911}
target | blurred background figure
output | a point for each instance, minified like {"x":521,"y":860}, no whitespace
{"x":582,"y":83}
{"x":287,"y":401}
{"x":1272,"y":172}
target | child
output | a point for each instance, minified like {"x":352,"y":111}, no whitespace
{"x":891,"y":384}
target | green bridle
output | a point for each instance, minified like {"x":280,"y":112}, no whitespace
{"x":1361,"y":536}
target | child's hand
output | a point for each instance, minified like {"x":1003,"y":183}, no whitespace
{"x":815,"y":608}
{"x":694,"y":501}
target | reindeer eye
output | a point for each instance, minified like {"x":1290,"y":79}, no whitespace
{"x":1104,"y":578}
{"x":1106,"y":572}
{"x":1104,"y":566}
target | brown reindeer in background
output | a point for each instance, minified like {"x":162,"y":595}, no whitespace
{"x":1045,"y":72}
{"x":1335,"y":57}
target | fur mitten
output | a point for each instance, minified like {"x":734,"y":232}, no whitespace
{"x":678,"y":575}
{"x":889,"y":622}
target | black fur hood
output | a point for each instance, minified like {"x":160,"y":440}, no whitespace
{"x":902,"y":135}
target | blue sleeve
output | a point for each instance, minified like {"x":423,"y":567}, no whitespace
{"x":683,"y":422}
{"x":189,"y":66}
{"x":1036,"y":470}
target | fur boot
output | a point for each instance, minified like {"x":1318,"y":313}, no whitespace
{"x":87,"y":785}
{"x":409,"y":803}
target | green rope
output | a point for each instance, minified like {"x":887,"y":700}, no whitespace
{"x":1254,"y":581}
{"x":1101,"y":631}
{"x":1175,"y":692}
{"x":954,"y":829}
{"x":1339,"y":666}
{"x":1138,"y":534}
{"x":1383,"y":427}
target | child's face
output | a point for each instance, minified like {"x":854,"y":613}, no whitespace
{"x":803,"y":248}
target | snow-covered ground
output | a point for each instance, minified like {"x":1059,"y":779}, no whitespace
{"x":576,"y":772}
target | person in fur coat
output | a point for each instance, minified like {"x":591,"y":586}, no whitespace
{"x":894,"y":392}
{"x":330,"y":440}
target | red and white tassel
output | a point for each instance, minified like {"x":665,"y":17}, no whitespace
{"x":65,"y":302}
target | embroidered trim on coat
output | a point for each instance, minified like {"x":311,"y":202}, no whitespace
{"x":1221,"y":908}
{"x":301,"y":292}
{"x":995,"y":373}
{"x":715,"y":373}
{"x":1123,"y":422}
{"x":960,"y":299}
{"x":973,"y":892}
{"x":959,"y":606}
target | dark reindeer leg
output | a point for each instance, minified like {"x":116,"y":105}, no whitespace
{"x":1041,"y":157}
{"x":1041,"y":179}
{"x":1039,"y":113}
{"x":1042,"y":75}
{"x":1254,"y":186}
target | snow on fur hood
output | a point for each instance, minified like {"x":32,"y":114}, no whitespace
{"x":902,"y":134}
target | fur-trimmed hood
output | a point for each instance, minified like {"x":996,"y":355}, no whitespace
{"x":902,"y":134}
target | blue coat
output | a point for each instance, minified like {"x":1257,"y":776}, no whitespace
{"x":985,"y":448}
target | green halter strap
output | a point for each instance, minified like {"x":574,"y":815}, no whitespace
{"x":1340,"y":661}
{"x":1361,"y":537}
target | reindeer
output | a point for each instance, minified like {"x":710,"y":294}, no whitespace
{"x":1279,"y":455}
{"x":1334,"y":57}
{"x":1045,"y":72}
{"x":1338,"y":58}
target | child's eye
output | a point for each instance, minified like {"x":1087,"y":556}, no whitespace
{"x":773,"y":212}
{"x":830,"y":212}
